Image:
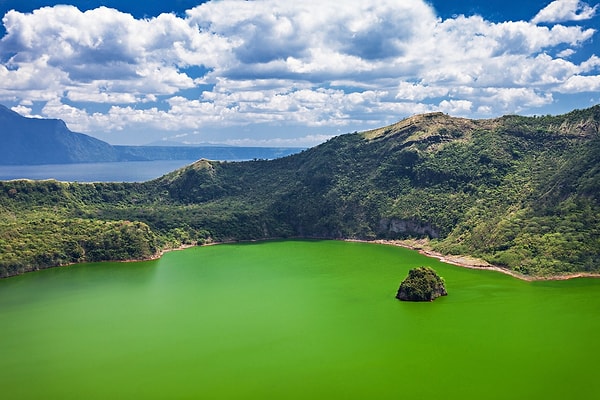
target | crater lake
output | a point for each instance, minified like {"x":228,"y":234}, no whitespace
{"x":293,"y":320}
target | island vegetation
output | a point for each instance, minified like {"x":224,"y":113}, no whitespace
{"x":421,"y":284}
{"x":522,"y":193}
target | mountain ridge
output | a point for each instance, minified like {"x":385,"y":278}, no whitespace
{"x":519,"y":192}
{"x":27,"y":141}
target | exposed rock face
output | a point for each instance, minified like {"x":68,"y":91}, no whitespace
{"x":421,"y":284}
{"x":407,"y":227}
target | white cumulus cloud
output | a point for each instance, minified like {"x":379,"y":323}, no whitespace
{"x":579,"y":83}
{"x":565,"y":10}
{"x":319,"y":64}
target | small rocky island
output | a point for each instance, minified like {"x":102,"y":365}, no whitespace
{"x":421,"y":284}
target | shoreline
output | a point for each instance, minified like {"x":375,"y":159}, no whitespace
{"x":472,"y":262}
{"x":462,"y":261}
{"x":162,"y":252}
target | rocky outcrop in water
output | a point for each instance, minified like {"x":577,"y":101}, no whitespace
{"x":421,"y":284}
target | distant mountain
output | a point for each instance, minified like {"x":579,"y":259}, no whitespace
{"x":174,"y":143}
{"x":27,"y":141}
{"x":220,"y":153}
{"x":36,"y":141}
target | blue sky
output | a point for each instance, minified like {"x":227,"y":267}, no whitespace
{"x":280,"y":73}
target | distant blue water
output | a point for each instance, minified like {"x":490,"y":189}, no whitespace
{"x":130,"y":171}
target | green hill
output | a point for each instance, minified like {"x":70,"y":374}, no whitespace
{"x":519,"y":192}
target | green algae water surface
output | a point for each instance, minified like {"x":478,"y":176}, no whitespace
{"x":293,"y":320}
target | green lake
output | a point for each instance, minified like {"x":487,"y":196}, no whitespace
{"x":293,"y":320}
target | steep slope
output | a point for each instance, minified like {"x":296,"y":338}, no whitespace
{"x":520,"y":192}
{"x":47,"y":141}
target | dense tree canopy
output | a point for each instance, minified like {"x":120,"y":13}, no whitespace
{"x":421,"y":284}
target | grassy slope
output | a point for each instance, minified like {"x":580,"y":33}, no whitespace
{"x":519,"y":192}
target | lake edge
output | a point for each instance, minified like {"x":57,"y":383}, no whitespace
{"x":462,"y":261}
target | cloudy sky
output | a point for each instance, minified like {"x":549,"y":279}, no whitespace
{"x":291,"y":73}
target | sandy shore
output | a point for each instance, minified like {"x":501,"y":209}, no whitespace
{"x":472,"y":262}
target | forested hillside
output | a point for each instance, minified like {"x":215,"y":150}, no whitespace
{"x":519,"y":192}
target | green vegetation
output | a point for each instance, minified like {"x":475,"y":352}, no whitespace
{"x":421,"y":284}
{"x":519,"y":192}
